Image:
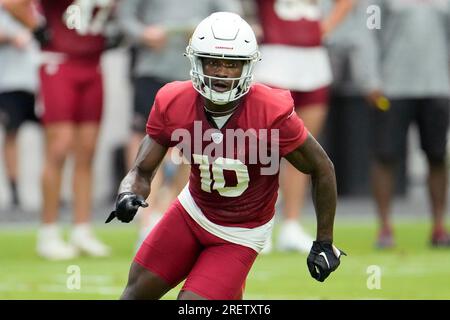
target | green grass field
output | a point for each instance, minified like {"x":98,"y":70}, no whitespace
{"x":411,"y":271}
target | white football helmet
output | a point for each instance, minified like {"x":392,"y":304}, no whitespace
{"x":223,"y":35}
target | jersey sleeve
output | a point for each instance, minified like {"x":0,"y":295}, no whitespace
{"x":157,"y":127}
{"x":292,"y":133}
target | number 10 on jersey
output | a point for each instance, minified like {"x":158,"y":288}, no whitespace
{"x":213,"y":178}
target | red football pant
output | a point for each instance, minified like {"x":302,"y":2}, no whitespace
{"x":72,"y":92}
{"x":178,"y":248}
{"x":309,"y":98}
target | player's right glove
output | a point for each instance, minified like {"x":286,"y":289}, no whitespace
{"x":42,"y":35}
{"x":127,"y":205}
{"x":323,"y":259}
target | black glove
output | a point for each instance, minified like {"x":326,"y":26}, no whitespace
{"x":323,"y":259}
{"x":42,"y":35}
{"x":127,"y":205}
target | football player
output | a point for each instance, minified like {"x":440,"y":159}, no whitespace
{"x":212,"y":234}
{"x":18,"y":84}
{"x":71,"y":35}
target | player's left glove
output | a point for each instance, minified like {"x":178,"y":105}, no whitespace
{"x":323,"y":259}
{"x":127,"y":205}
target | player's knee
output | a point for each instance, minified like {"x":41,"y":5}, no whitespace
{"x":59,"y":146}
{"x":131,"y":291}
{"x":435,"y":158}
{"x":189,"y":295}
{"x":386,"y":158}
{"x":88,"y":145}
{"x":57,"y":153}
{"x":84,"y":160}
{"x":144,"y":285}
{"x":11,"y":133}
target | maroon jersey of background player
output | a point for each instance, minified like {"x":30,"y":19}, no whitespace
{"x":302,"y":32}
{"x":70,"y":41}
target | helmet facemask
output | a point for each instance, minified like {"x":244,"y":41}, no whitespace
{"x":202,"y":83}
{"x":222,"y":35}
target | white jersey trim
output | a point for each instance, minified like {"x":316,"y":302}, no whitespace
{"x":220,"y":121}
{"x":255,"y":238}
{"x":294,"y":68}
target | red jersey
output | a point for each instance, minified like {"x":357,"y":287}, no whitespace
{"x":290,"y":22}
{"x":231,"y":181}
{"x":75,"y":27}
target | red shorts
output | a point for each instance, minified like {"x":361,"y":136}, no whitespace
{"x":178,"y":248}
{"x":72,"y":92}
{"x":307,"y":98}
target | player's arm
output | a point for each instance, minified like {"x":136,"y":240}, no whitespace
{"x":23,"y":11}
{"x":336,"y":16}
{"x":135,"y":187}
{"x":311,"y":159}
{"x":138,"y":179}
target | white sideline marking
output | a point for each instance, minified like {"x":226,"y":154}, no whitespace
{"x":103,"y":290}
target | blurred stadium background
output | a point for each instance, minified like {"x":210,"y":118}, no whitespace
{"x":412,"y":270}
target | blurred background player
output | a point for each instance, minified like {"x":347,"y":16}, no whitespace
{"x":159,"y":30}
{"x":293,"y":58}
{"x":354,"y":76}
{"x":71,"y":37}
{"x":18,"y":84}
{"x":414,"y":75}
